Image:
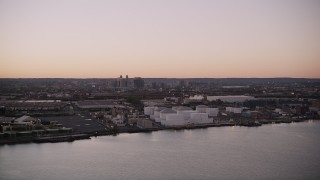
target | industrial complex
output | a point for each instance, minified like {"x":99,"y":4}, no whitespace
{"x":54,"y":110}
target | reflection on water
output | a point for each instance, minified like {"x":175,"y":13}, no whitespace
{"x":272,"y":151}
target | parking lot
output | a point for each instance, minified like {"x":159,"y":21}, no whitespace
{"x":79,"y":123}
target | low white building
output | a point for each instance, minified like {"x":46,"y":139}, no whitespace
{"x":201,"y":108}
{"x":213,"y":112}
{"x":196,"y":97}
{"x":234,"y":110}
{"x":118,"y":120}
{"x":149,"y":110}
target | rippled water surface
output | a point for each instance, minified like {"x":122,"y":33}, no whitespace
{"x":281,"y":151}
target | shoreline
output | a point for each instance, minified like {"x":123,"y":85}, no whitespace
{"x":80,"y":136}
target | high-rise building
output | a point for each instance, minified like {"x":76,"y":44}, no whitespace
{"x":122,"y":82}
{"x":138,"y":83}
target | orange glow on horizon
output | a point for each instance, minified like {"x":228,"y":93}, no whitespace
{"x":180,"y":39}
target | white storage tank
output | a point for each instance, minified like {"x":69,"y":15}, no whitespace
{"x":162,"y":121}
{"x":164,"y":112}
{"x":158,"y":119}
{"x":199,"y":118}
{"x":173,"y":117}
{"x":175,"y":123}
{"x":186,"y":114}
{"x":174,"y":120}
{"x":146,"y":110}
{"x":152,"y":110}
{"x":157,"y":111}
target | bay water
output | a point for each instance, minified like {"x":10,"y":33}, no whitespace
{"x":274,"y":151}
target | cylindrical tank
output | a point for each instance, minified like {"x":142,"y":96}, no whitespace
{"x":152,"y":110}
{"x":147,"y":110}
{"x":186,"y":114}
{"x":173,"y":120}
{"x":157,"y":111}
{"x":174,"y":117}
{"x":199,"y":118}
{"x":164,"y":112}
{"x":157,"y":119}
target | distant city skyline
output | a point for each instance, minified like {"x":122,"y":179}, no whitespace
{"x":159,"y":39}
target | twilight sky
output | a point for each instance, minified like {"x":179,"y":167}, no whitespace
{"x":159,"y":38}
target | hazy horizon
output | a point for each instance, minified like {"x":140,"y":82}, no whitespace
{"x":160,"y":39}
{"x":123,"y":76}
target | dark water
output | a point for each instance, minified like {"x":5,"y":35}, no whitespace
{"x":282,"y":151}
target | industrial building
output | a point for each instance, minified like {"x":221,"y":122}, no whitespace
{"x":30,"y":126}
{"x":138,"y":83}
{"x":122,"y":82}
{"x":181,"y":115}
{"x":34,"y":107}
{"x":97,"y":104}
{"x":235,"y":110}
{"x":230,"y":99}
